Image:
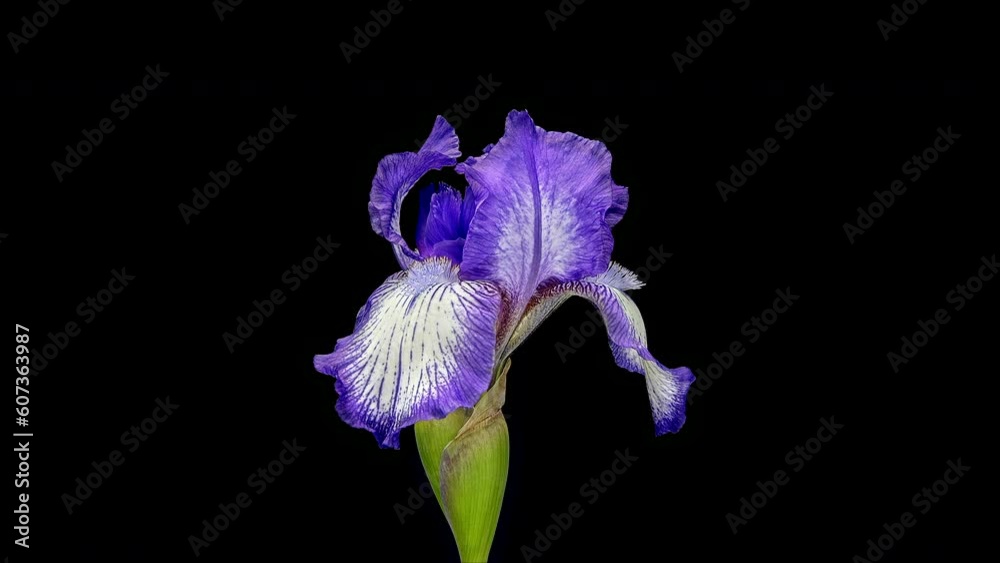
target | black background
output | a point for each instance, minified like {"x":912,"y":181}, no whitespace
{"x":825,"y":357}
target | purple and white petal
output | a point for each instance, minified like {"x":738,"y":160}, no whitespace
{"x":543,"y":198}
{"x":423,"y":345}
{"x":395,"y":176}
{"x":667,"y":387}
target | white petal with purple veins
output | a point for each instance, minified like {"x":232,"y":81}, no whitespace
{"x":423,"y":346}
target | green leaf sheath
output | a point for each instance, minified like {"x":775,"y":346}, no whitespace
{"x":466,"y":456}
{"x":432,"y":437}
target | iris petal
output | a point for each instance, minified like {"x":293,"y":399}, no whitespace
{"x":667,"y":387}
{"x":443,"y":222}
{"x":543,"y":201}
{"x":423,"y":346}
{"x":395,"y":176}
{"x":619,"y":203}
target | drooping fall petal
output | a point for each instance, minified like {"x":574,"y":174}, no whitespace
{"x":667,"y":387}
{"x":423,"y":345}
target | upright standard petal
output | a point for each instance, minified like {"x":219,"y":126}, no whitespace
{"x":395,"y":176}
{"x":443,"y":221}
{"x":543,"y":198}
{"x":423,"y":346}
{"x":627,"y":332}
{"x":619,"y":203}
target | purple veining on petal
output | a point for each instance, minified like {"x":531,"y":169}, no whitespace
{"x":471,"y":160}
{"x":543,"y":198}
{"x":667,"y":387}
{"x":614,"y":214}
{"x":619,"y":199}
{"x":423,"y":346}
{"x":396,"y":175}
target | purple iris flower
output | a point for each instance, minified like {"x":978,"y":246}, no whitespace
{"x":532,"y":230}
